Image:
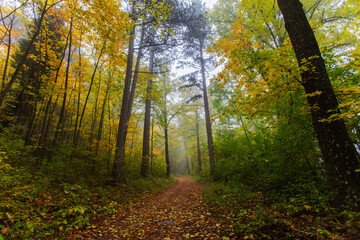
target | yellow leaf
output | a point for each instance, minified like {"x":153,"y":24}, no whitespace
{"x":307,"y":207}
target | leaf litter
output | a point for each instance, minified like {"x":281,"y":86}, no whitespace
{"x":177,"y":212}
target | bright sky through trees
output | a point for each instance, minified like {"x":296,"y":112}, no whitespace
{"x":210,"y":3}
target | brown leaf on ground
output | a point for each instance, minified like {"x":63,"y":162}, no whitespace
{"x":175,"y":213}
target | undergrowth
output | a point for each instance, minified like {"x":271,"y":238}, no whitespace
{"x":263,"y":215}
{"x":272,"y":185}
{"x":32,"y":207}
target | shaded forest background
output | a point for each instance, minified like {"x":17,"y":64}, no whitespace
{"x":102,"y":101}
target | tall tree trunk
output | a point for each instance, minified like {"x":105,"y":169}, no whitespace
{"x":45,"y":144}
{"x":340,"y":156}
{"x":127,"y":102}
{"x":60,"y":127}
{"x":167,"y":158}
{"x":147,"y":120}
{"x":88,"y":94}
{"x":116,"y":173}
{"x":93,"y":125}
{"x":207,"y":113}
{"x":166,"y":125}
{"x":133,"y":136}
{"x":198,"y":141}
{"x":110,"y":132}
{"x":136,"y":74}
{"x":152,"y":144}
{"x":45,"y":123}
{"x":102,"y":116}
{"x":78,"y":97}
{"x":186,"y":157}
{"x":8,"y":86}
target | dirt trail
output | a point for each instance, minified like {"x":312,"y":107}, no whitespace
{"x":174,"y":213}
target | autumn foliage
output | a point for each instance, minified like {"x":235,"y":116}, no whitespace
{"x":101,"y":101}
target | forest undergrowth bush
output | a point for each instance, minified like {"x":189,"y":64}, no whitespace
{"x":60,"y":196}
{"x":272,"y":192}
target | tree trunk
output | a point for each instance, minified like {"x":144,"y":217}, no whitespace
{"x":78,"y":96}
{"x":167,"y":158}
{"x":133,"y":137}
{"x":339,"y":154}
{"x":152,"y":144}
{"x":166,"y":124}
{"x":136,"y":74}
{"x":207,"y":113}
{"x":127,"y":102}
{"x":88,"y":94}
{"x":244,"y":128}
{"x":198,"y":142}
{"x":94,"y":122}
{"x":186,"y":157}
{"x":45,"y":133}
{"x":116,"y":173}
{"x":60,"y":127}
{"x":147,"y":120}
{"x":45,"y":123}
{"x":102,"y":117}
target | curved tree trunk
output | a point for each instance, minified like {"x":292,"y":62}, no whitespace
{"x":340,"y":156}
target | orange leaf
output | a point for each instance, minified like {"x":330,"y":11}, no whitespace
{"x":5,"y":230}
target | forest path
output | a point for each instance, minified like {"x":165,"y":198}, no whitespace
{"x":174,"y":213}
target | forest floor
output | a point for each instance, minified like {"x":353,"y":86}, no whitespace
{"x":174,"y":213}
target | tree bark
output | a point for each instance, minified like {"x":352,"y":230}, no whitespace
{"x":78,"y":96}
{"x":339,"y":154}
{"x":60,"y":127}
{"x":207,"y":113}
{"x":88,"y":94}
{"x":167,"y":158}
{"x":152,"y":144}
{"x":186,"y":157}
{"x":136,"y":74}
{"x":198,"y":141}
{"x":102,"y":117}
{"x":127,"y":102}
{"x":94,"y":122}
{"x":166,"y":125}
{"x":116,"y":173}
{"x":45,"y":123}
{"x":147,"y":119}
